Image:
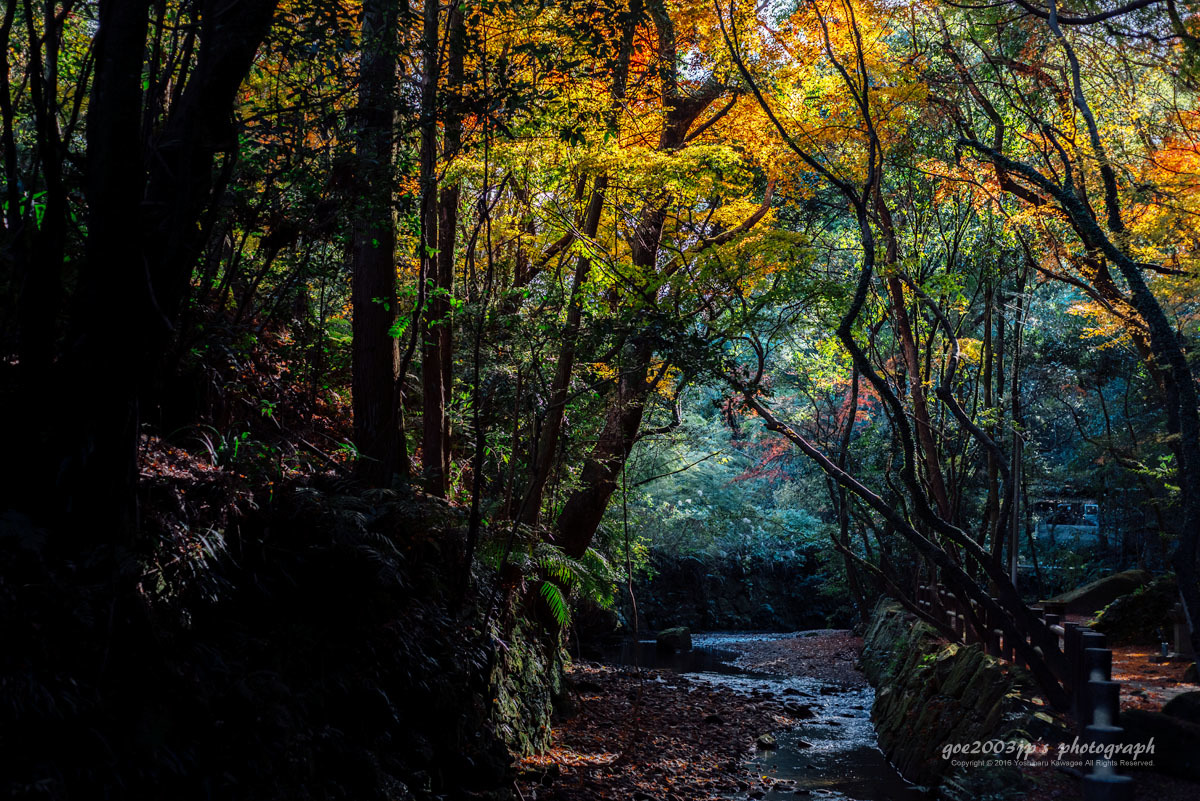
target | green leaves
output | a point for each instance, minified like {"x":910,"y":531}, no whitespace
{"x":556,"y":602}
{"x":592,"y":575}
{"x":399,"y":327}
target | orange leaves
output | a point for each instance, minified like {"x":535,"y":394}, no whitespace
{"x":836,"y":83}
{"x":558,"y":755}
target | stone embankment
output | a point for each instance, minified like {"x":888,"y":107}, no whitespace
{"x":930,"y":695}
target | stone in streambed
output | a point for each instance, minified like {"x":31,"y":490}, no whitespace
{"x":675,"y":639}
{"x":766,"y":742}
{"x":799,"y":711}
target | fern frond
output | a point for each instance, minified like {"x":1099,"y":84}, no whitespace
{"x":564,"y":569}
{"x":598,"y":579}
{"x":556,"y":602}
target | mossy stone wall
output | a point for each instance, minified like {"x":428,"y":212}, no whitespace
{"x":930,"y":694}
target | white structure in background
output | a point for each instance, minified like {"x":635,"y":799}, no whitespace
{"x":1067,"y":522}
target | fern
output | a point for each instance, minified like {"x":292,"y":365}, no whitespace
{"x":557,"y":602}
{"x":591,"y":576}
{"x":600,"y":578}
{"x":562,"y":568}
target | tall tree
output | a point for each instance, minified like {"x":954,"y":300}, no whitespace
{"x":376,"y":351}
{"x":837,"y":33}
{"x":439,"y":229}
{"x":638,"y":376}
{"x":548,"y":439}
{"x":145,"y":201}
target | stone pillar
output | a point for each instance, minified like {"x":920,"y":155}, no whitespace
{"x":1180,"y":631}
{"x":1103,"y":783}
{"x":1104,"y":700}
{"x":1093,"y":661}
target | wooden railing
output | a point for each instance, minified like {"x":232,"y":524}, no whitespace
{"x":1095,"y":697}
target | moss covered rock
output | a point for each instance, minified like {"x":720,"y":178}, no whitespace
{"x":1138,"y":617}
{"x":1176,"y":741}
{"x":930,"y":694}
{"x":678,"y":638}
{"x":1092,"y":597}
{"x":1185,"y":707}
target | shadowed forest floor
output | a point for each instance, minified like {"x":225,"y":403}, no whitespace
{"x":1146,"y":684}
{"x":649,"y":735}
{"x":659,"y":735}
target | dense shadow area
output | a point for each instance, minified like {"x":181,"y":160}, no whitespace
{"x":321,"y":656}
{"x":759,"y":593}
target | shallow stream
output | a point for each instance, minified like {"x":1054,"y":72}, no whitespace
{"x":831,"y":755}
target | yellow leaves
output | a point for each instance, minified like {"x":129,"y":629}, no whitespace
{"x":604,"y":372}
{"x":1166,"y":201}
{"x":970,"y":351}
{"x":666,"y":377}
{"x":736,"y":211}
{"x":668,"y":381}
{"x":825,"y":57}
{"x":1107,"y":329}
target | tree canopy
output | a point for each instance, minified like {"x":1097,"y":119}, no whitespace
{"x":871,"y":277}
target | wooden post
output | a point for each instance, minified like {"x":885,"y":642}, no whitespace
{"x":1096,"y":666}
{"x":1098,"y":701}
{"x":1088,"y":640}
{"x":1071,"y":644}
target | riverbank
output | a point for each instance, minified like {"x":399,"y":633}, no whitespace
{"x":649,"y":734}
{"x":932,"y":696}
{"x":827,"y":654}
{"x":666,"y":735}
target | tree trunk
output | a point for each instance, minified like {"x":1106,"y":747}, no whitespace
{"x":375,"y":352}
{"x":42,"y":287}
{"x":143,"y":240}
{"x":180,"y":164}
{"x":585,"y":507}
{"x":991,"y":513}
{"x":107,"y":347}
{"x":531,"y":506}
{"x":433,"y":404}
{"x":437,"y":358}
{"x":912,"y":363}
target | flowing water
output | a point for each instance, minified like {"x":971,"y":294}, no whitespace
{"x":832,"y":755}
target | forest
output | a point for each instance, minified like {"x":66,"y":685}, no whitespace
{"x":374,"y":365}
